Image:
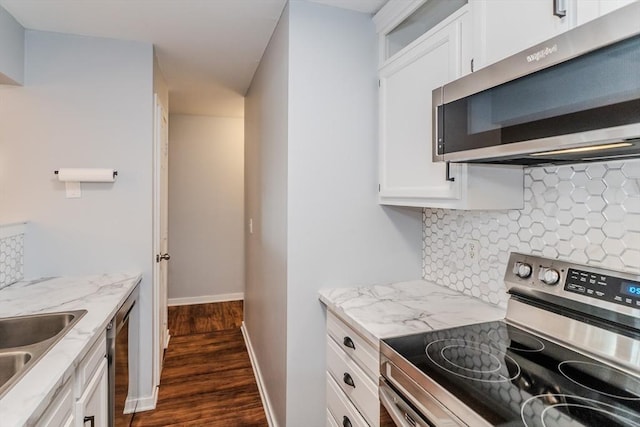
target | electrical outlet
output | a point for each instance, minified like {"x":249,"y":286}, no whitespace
{"x":473,"y":247}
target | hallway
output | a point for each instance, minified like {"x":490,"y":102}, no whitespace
{"x":207,"y":379}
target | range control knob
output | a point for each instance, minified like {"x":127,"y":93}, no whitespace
{"x":523,"y":270}
{"x":549,"y":276}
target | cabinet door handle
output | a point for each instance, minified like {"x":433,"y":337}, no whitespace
{"x":559,"y":8}
{"x":91,"y":419}
{"x":348,"y":342}
{"x":348,"y":380}
{"x":346,"y":422}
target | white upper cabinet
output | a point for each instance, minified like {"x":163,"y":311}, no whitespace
{"x":412,"y":66}
{"x":586,"y":10}
{"x":505,"y":27}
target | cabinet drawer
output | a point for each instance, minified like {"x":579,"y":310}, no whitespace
{"x":363,"y":392}
{"x":354,"y":345}
{"x":330,"y":421}
{"x":340,"y":409}
{"x":90,"y":363}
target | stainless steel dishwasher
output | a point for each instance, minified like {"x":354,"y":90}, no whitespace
{"x":118,"y":364}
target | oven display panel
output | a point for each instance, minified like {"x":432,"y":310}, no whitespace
{"x":603,"y":287}
{"x":630,"y":288}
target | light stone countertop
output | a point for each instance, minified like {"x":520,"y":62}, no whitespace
{"x":100,"y":295}
{"x":383,"y":311}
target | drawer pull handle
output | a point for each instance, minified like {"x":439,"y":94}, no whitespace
{"x":348,"y":380}
{"x":346,"y":422}
{"x":348,"y":342}
{"x":91,"y":419}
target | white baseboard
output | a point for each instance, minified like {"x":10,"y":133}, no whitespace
{"x":147,"y":403}
{"x":129,"y":405}
{"x":264,"y":396}
{"x":206,"y":299}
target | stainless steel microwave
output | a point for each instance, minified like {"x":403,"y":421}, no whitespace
{"x":573,"y":98}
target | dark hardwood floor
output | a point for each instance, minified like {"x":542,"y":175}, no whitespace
{"x":207,"y":378}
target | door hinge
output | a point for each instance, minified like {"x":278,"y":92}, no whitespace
{"x":472,"y":65}
{"x":378,"y":188}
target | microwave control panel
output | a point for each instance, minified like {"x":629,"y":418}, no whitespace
{"x":604,"y":287}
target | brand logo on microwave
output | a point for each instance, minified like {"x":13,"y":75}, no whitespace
{"x":541,"y":54}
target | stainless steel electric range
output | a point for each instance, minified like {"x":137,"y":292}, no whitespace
{"x":567,"y":354}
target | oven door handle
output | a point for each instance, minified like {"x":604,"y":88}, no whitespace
{"x":402,"y":415}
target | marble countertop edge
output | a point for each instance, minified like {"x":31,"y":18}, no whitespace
{"x":100,"y":295}
{"x":388,"y":310}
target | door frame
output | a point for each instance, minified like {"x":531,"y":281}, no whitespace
{"x":160,"y":333}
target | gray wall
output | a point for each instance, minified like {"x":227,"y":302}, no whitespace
{"x":87,"y":102}
{"x":11,"y":49}
{"x":206,"y":209}
{"x":266,"y":129}
{"x":335,"y":234}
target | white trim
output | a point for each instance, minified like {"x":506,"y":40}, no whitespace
{"x":129,"y":405}
{"x":147,"y":403}
{"x":156,"y":300}
{"x":264,"y":396}
{"x":206,"y":299}
{"x":12,"y":229}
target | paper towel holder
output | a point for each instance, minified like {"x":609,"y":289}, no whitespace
{"x":73,"y":177}
{"x":115,"y":173}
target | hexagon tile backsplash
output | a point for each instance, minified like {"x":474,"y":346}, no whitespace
{"x":11,"y":257}
{"x":585,"y":213}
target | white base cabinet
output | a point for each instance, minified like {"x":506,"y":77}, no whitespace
{"x":84,"y":400}
{"x":60,"y":411}
{"x":92,"y":406}
{"x":353,"y":369}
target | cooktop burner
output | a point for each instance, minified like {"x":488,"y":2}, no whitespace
{"x":600,"y":379}
{"x":511,"y":377}
{"x":473,"y":361}
{"x":516,"y":341}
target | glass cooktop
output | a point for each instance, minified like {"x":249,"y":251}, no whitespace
{"x":513,"y":378}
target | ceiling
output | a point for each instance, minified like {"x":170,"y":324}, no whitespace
{"x":208,"y":50}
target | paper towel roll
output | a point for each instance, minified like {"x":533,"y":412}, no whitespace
{"x":86,"y":175}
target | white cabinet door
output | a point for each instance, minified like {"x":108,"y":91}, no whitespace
{"x":407,"y":174}
{"x":407,"y":171}
{"x":92,"y":408}
{"x":587,"y":10}
{"x":505,"y":27}
{"x":60,"y":411}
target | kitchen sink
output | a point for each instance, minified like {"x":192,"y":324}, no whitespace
{"x":25,"y":339}
{"x":27,"y":330}
{"x":12,"y":363}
